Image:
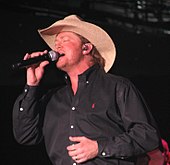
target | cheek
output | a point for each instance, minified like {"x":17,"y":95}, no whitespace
{"x":74,"y":53}
{"x":73,"y":46}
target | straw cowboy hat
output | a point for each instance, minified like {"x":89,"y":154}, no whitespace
{"x":97,"y":36}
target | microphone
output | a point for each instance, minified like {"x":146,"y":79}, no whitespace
{"x":50,"y":56}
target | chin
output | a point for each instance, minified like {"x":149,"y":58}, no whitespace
{"x":61,"y":66}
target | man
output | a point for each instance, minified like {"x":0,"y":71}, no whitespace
{"x":96,"y":118}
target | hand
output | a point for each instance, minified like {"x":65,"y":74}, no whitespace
{"x":83,"y":149}
{"x":35,"y":72}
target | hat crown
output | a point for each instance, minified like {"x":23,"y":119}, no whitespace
{"x":72,"y":17}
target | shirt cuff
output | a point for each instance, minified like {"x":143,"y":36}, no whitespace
{"x":102,"y":149}
{"x":30,"y":91}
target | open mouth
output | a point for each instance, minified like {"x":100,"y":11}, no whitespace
{"x":62,"y":54}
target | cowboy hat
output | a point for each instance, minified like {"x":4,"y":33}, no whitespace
{"x":97,"y":36}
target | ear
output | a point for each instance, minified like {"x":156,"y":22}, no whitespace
{"x":86,"y":48}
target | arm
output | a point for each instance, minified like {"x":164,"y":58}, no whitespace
{"x":140,"y":131}
{"x":27,"y":113}
{"x":28,"y":117}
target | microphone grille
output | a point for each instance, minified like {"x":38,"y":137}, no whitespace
{"x":53,"y":55}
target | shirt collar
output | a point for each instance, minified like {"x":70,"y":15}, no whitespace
{"x":87,"y":75}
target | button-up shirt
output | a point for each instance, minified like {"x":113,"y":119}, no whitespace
{"x":106,"y":108}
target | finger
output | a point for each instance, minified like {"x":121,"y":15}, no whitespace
{"x":45,"y":52}
{"x":72,"y":153}
{"x":79,"y":156}
{"x":27,"y":56}
{"x":79,"y":159}
{"x":36,"y":54}
{"x":75,"y":139}
{"x":75,"y":157}
{"x":44,"y":63}
{"x":71,"y":147}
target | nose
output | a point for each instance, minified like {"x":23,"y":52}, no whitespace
{"x":58,"y":46}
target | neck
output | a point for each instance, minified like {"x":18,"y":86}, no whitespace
{"x":74,"y":73}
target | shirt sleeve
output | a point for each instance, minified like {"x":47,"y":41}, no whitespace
{"x":141,"y":134}
{"x":27,"y":123}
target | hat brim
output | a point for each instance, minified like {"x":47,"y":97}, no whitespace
{"x":96,"y":35}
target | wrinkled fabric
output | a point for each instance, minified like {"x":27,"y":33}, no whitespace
{"x":106,"y":108}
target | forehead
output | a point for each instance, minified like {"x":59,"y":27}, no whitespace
{"x":67,"y":34}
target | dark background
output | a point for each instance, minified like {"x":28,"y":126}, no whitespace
{"x":141,"y":57}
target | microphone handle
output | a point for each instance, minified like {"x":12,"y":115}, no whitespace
{"x":29,"y":62}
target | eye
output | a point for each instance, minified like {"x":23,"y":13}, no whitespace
{"x":65,"y":40}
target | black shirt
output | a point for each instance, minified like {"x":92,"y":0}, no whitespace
{"x":106,"y":108}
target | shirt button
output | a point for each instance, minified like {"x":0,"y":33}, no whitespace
{"x":74,"y":163}
{"x":72,"y":126}
{"x":87,"y":82}
{"x":73,"y":108}
{"x":21,"y":109}
{"x":103,"y":154}
{"x":25,"y":90}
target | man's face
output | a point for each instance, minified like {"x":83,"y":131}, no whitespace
{"x":69,"y":44}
